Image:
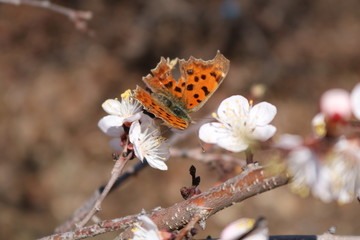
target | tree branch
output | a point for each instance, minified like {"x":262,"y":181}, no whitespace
{"x":249,"y":183}
{"x":78,"y":17}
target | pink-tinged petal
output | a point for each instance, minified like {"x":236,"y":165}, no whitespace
{"x":262,"y":113}
{"x":111,"y":125}
{"x":112,"y":106}
{"x":233,"y":107}
{"x":115,"y":144}
{"x":263,"y":133}
{"x":355,"y":101}
{"x":336,"y":105}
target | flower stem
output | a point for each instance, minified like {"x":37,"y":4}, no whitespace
{"x":249,"y":156}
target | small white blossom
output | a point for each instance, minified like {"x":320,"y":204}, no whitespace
{"x":148,"y":230}
{"x":126,"y":110}
{"x":238,"y":229}
{"x":149,"y":145}
{"x":240,"y":124}
{"x":120,"y":111}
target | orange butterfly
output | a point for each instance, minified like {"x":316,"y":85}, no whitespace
{"x":172,"y":100}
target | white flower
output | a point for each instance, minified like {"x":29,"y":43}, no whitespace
{"x":304,"y":167}
{"x":355,"y":101}
{"x":120,"y":112}
{"x":126,"y":110}
{"x":148,"y":230}
{"x":240,"y":229}
{"x":240,"y":124}
{"x":331,"y":175}
{"x":149,"y":145}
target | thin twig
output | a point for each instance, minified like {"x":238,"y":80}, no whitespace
{"x":78,"y":17}
{"x":188,"y":227}
{"x":80,"y":213}
{"x":115,"y":173}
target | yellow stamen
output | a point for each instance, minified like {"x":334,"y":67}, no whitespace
{"x":251,"y":102}
{"x":126,"y":95}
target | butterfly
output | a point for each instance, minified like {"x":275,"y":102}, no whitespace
{"x":172,"y":100}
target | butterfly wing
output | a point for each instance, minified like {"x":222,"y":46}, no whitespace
{"x":200,"y":79}
{"x":153,"y":105}
{"x":161,"y":81}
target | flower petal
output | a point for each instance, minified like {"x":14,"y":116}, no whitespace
{"x":263,"y":133}
{"x":234,"y":144}
{"x":262,"y":113}
{"x":111,"y":125}
{"x":355,"y":101}
{"x":233,"y":107}
{"x":134,"y":132}
{"x":112,"y":106}
{"x":211,"y":132}
{"x":115,"y":144}
{"x":157,"y":163}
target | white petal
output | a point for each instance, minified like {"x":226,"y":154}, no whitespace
{"x":234,"y":106}
{"x":111,"y":125}
{"x":355,"y":101}
{"x":262,"y":113}
{"x":155,"y":163}
{"x":115,"y":144}
{"x":233,"y":144}
{"x":211,"y":132}
{"x":263,"y":133}
{"x":133,"y":118}
{"x":112,"y":106}
{"x":134,"y":132}
{"x":237,"y":228}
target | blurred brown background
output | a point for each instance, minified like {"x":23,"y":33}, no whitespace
{"x":54,"y":78}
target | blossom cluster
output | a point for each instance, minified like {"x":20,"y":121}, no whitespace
{"x":126,"y":115}
{"x":329,"y":166}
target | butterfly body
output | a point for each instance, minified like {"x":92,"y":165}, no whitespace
{"x":172,"y":100}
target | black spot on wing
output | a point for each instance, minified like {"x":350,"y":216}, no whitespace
{"x":177,"y":89}
{"x":206,"y":91}
{"x":169,"y":84}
